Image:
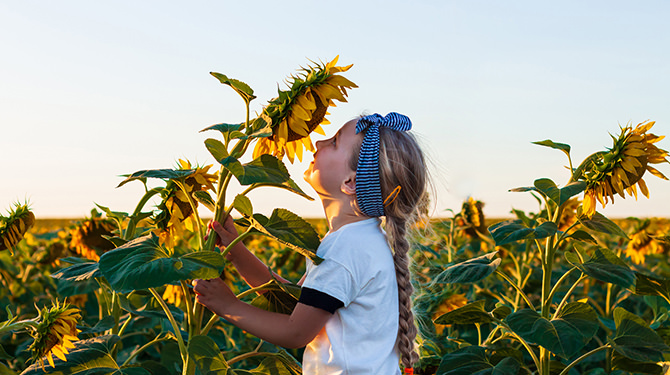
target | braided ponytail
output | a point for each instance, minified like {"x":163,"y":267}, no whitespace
{"x":402,"y":164}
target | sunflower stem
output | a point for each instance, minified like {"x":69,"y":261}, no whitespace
{"x":566,"y":370}
{"x":175,"y":326}
{"x":16,"y":326}
{"x":518,"y":289}
{"x":132,"y":224}
{"x":143,"y":348}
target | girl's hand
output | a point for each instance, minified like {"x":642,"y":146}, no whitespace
{"x":214,"y":294}
{"x":225,"y":233}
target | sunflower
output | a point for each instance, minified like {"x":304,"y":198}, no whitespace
{"x":471,"y":218}
{"x":176,"y":211}
{"x":296,"y":113}
{"x":569,"y":214}
{"x":174,"y":294}
{"x":452,"y":302}
{"x":54,"y":333}
{"x":643,"y":243}
{"x":14,"y":227}
{"x":87,"y":238}
{"x":619,"y":169}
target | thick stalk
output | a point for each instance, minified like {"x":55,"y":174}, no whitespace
{"x":132,"y":224}
{"x":558,"y":283}
{"x":189,"y":315}
{"x":547,"y":267}
{"x":23,"y":324}
{"x":572,"y":288}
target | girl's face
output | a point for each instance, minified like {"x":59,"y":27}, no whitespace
{"x":330,"y":168}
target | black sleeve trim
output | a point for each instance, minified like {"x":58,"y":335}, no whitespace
{"x":320,"y":300}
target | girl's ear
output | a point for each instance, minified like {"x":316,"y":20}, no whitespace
{"x":349,"y":185}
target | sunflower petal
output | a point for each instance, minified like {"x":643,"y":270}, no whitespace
{"x":656,"y":172}
{"x":643,"y":187}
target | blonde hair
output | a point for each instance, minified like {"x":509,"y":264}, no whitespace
{"x":402,"y":163}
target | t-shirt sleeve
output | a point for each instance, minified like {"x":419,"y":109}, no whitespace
{"x":321,"y":300}
{"x":334,"y":279}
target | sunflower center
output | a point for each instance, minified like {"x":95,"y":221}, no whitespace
{"x":317,"y":117}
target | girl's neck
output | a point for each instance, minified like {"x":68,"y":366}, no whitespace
{"x":339,"y":213}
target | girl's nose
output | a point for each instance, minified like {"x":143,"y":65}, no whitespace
{"x":319,"y":143}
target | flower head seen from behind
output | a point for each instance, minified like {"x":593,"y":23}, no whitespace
{"x":620,"y":169}
{"x":176,"y":210}
{"x":300,"y":110}
{"x":14,"y":227}
{"x":87,"y":237}
{"x":55,"y":331}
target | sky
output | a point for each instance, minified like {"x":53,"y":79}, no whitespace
{"x":90,"y":91}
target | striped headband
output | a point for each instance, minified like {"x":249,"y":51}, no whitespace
{"x":368,"y":185}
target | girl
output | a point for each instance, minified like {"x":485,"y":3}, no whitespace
{"x":354,"y":312}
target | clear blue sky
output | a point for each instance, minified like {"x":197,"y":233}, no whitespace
{"x":93,"y":90}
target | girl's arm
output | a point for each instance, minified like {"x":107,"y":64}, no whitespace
{"x":289,"y":331}
{"x":252,"y":269}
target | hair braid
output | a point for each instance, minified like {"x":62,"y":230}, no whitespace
{"x":402,"y":163}
{"x":407,"y":330}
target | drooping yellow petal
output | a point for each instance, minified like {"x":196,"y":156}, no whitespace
{"x":340,"y":81}
{"x":298,"y":111}
{"x":656,"y":172}
{"x":51,"y":360}
{"x":643,"y":187}
{"x":588,"y":204}
{"x":306,"y":101}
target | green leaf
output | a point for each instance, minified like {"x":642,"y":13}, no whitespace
{"x":514,"y":230}
{"x":4,"y":355}
{"x":565,"y":335}
{"x":652,"y":286}
{"x":621,"y":363}
{"x":266,"y":169}
{"x":163,"y":174}
{"x":469,"y":271}
{"x":78,"y":278}
{"x":600,"y":223}
{"x":229,"y":131}
{"x":203,"y":197}
{"x":261,"y":127}
{"x":88,"y":357}
{"x":207,"y":356}
{"x":556,"y":195}
{"x":604,"y":265}
{"x":474,"y":360}
{"x":281,"y":363}
{"x":471,"y":313}
{"x":219,"y":152}
{"x":143,"y":303}
{"x":635,"y":340}
{"x":289,"y":230}
{"x":243,"y":205}
{"x":289,"y":185}
{"x":240,"y":87}
{"x":143,"y":263}
{"x":278,"y":297}
{"x":558,"y":146}
{"x":581,"y":235}
{"x":101,"y":326}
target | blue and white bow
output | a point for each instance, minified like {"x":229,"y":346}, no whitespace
{"x":368,"y":185}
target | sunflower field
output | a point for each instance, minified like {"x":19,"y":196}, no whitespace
{"x":558,"y":290}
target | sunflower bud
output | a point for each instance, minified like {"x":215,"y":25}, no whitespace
{"x":14,"y":227}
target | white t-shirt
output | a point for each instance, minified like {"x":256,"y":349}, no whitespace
{"x":358,"y":269}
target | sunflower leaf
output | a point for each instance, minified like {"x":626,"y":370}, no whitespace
{"x":652,"y":286}
{"x":163,"y":174}
{"x":289,"y":230}
{"x":635,"y":340}
{"x":558,"y":146}
{"x":243,"y":205}
{"x":565,"y":335}
{"x":278,"y":297}
{"x":206,"y":355}
{"x":143,"y":263}
{"x":90,"y":356}
{"x":246,"y":92}
{"x":471,"y":313}
{"x":475,"y":360}
{"x":229,"y":131}
{"x":266,"y":169}
{"x":600,"y":223}
{"x":469,"y":271}
{"x":203,"y":197}
{"x":514,"y":230}
{"x":289,"y":185}
{"x":603,"y":265}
